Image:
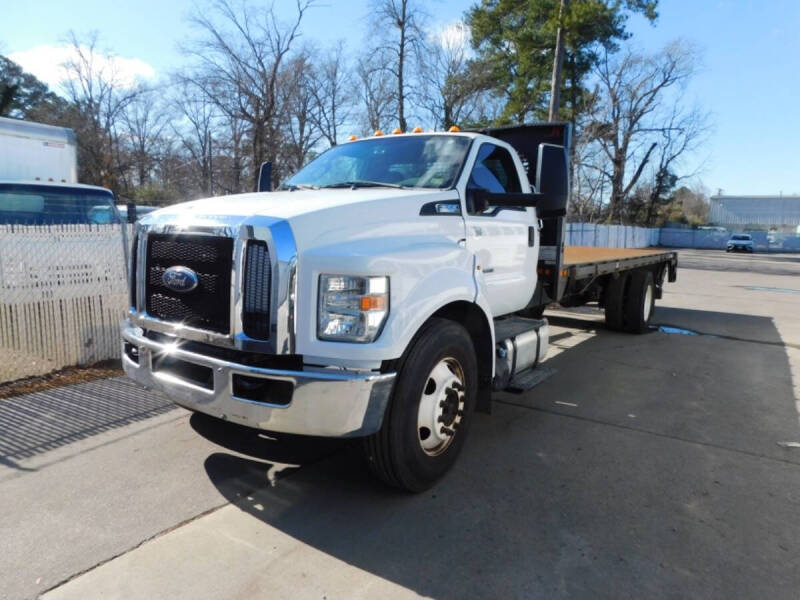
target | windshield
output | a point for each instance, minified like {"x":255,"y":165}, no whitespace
{"x":418,"y":161}
{"x":30,"y":204}
{"x":742,"y":238}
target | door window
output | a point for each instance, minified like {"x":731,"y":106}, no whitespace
{"x":494,"y":172}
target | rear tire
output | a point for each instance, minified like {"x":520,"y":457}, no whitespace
{"x":615,"y":301}
{"x":639,"y":301}
{"x":434,"y":394}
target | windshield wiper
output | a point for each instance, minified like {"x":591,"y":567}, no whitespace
{"x":363,"y":183}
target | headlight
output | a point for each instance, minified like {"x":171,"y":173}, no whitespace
{"x":352,"y":309}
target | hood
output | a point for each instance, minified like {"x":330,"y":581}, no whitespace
{"x":281,"y":205}
{"x":320,"y":218}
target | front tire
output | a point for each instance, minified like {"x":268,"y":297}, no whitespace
{"x":430,"y":411}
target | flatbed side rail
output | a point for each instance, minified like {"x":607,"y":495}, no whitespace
{"x":593,"y":269}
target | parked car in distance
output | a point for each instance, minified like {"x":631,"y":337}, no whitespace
{"x":740,"y":242}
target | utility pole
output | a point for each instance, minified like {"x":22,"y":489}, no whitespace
{"x":558,"y":65}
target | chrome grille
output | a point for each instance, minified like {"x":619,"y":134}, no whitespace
{"x":208,"y":305}
{"x":257,"y":276}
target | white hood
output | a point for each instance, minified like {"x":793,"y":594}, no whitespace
{"x":284,"y":204}
{"x":319,"y":218}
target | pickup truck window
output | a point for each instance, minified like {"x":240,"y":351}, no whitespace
{"x":494,"y":171}
{"x":417,"y":161}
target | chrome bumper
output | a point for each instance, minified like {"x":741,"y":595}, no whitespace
{"x":324,"y":403}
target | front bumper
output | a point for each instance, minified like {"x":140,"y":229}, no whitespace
{"x":325,"y":402}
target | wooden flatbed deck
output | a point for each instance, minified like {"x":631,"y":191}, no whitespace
{"x":579,"y":255}
{"x":583,"y":262}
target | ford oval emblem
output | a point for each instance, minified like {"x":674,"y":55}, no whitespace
{"x":180,"y":279}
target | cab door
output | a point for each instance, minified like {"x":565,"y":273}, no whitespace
{"x":503,"y":239}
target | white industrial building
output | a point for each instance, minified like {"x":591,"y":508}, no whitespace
{"x":777,"y":213}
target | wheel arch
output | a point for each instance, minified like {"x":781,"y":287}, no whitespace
{"x":476,"y":321}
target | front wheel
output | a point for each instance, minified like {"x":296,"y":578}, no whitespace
{"x":431,"y":407}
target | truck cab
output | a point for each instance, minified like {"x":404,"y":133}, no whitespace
{"x":381,"y":292}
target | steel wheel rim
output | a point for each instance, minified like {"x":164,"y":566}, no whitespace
{"x":441,"y":407}
{"x":648,"y":302}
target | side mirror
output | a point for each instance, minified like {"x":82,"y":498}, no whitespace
{"x":552,"y":177}
{"x":265,"y":177}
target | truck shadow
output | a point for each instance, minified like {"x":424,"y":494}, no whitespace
{"x":35,"y":423}
{"x":658,"y":473}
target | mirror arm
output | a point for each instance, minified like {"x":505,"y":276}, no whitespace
{"x":488,"y":199}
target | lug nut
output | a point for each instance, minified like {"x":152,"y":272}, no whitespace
{"x":447,"y":431}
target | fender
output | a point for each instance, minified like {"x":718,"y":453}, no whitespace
{"x":424,"y":277}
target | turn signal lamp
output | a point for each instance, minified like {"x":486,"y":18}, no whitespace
{"x":454,"y":129}
{"x":378,"y":133}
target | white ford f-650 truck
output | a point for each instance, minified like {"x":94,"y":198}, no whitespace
{"x":384,"y":291}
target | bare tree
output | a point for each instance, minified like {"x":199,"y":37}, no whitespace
{"x":331,"y":87}
{"x":684,"y":130}
{"x":452,"y":87}
{"x":403,"y":48}
{"x":242,"y":50}
{"x":194,"y":130}
{"x":98,"y":99}
{"x":300,"y":132}
{"x":145,"y":121}
{"x":376,"y":92}
{"x":632,"y":90}
{"x":586,"y":191}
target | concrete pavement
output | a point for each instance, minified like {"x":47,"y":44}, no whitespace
{"x":647,"y":466}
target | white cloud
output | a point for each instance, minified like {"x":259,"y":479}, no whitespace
{"x":47,"y":64}
{"x":453,"y":36}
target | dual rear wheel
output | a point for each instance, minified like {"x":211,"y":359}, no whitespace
{"x":630,"y":300}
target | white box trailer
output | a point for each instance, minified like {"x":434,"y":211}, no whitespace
{"x":37,"y":152}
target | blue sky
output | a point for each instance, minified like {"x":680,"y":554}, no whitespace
{"x":750,"y":78}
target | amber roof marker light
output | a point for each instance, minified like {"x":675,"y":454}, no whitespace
{"x":454,"y":129}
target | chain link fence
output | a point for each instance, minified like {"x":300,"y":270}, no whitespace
{"x":63,"y":293}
